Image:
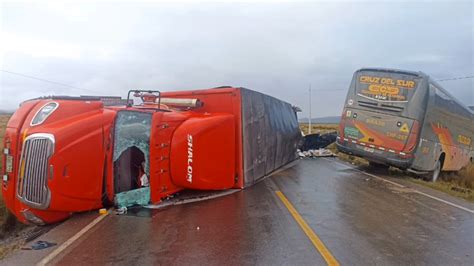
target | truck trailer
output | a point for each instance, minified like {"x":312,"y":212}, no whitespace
{"x":66,"y":154}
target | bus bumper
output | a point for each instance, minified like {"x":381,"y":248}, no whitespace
{"x":375,"y":155}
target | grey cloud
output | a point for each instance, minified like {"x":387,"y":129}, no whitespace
{"x":277,"y":48}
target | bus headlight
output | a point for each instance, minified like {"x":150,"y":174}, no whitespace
{"x":43,"y":113}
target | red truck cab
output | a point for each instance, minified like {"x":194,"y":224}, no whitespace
{"x":71,"y":154}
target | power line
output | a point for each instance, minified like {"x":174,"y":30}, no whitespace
{"x":44,"y":80}
{"x":466,"y":77}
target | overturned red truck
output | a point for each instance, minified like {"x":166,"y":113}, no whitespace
{"x":71,"y":154}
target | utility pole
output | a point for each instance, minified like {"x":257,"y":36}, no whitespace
{"x":309,"y":125}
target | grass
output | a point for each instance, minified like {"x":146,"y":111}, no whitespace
{"x":319,"y":128}
{"x":459,"y":184}
{"x":448,"y":186}
{"x":8,"y":223}
{"x":9,"y":226}
{"x":5,"y":250}
{"x":3,"y":211}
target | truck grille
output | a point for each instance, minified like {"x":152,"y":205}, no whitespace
{"x":32,"y":180}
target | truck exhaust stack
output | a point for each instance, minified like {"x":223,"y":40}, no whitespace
{"x":176,"y":102}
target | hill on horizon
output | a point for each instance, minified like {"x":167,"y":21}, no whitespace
{"x":321,"y":120}
{"x":6,"y":112}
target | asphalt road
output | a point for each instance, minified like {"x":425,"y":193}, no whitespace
{"x":358,"y":218}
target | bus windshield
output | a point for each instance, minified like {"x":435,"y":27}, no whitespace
{"x":386,"y":86}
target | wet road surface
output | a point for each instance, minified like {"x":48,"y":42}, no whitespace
{"x":360,"y":219}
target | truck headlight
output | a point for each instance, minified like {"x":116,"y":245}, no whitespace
{"x":32,"y":218}
{"x":43,"y":113}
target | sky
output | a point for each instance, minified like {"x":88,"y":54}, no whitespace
{"x":278,"y":48}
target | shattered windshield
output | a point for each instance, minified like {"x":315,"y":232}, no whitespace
{"x":132,"y":129}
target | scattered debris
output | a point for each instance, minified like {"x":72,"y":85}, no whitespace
{"x":139,"y":196}
{"x":318,"y":141}
{"x":315,"y":153}
{"x":190,"y":196}
{"x":102,"y":211}
{"x":18,"y":236}
{"x":37,"y":232}
{"x":120,"y":211}
{"x":42,"y":245}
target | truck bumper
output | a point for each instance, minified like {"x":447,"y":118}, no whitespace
{"x":28,"y":215}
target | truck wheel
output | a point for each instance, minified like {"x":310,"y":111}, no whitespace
{"x":433,"y":176}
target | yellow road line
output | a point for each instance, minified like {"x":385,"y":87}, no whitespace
{"x":318,"y":244}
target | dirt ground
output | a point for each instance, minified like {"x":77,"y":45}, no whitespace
{"x":12,"y":233}
{"x":3,"y":124}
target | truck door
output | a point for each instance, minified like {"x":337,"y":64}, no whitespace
{"x":131,"y":158}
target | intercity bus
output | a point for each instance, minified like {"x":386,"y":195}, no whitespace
{"x":407,"y":120}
